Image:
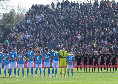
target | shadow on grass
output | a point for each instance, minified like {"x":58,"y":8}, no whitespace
{"x":7,"y":77}
{"x":94,"y":72}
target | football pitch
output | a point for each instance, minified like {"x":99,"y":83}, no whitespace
{"x":79,"y":78}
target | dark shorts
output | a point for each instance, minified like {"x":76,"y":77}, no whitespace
{"x":78,"y":62}
{"x":90,"y":62}
{"x":107,"y":63}
{"x":85,"y":63}
{"x":95,"y":63}
{"x":114,"y":63}
{"x":102,"y":63}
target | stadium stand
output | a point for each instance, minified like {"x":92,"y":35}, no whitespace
{"x":76,"y":26}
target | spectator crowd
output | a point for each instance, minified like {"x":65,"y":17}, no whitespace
{"x":72,"y":25}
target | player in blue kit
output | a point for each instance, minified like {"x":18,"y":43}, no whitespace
{"x":55,"y":61}
{"x":13,"y":62}
{"x":6,"y":63}
{"x":1,"y":57}
{"x":38,"y":58}
{"x":70,"y":59}
{"x":30,"y":62}
{"x":20,"y":58}
{"x":46,"y":57}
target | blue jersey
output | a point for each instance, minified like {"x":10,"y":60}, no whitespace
{"x":13,"y":56}
{"x":20,"y":59}
{"x":30,"y":54}
{"x":1,"y":57}
{"x":46,"y":57}
{"x":70,"y":59}
{"x":55,"y":55}
{"x":6,"y":59}
{"x":38,"y":59}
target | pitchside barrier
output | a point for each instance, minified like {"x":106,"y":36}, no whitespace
{"x":74,"y":64}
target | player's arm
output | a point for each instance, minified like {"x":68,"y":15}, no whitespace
{"x":66,"y":60}
{"x":31,"y":58}
{"x":0,"y":58}
{"x":22,"y":57}
{"x":17,"y":57}
{"x":13,"y":58}
{"x":3,"y":55}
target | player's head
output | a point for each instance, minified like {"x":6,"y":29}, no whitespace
{"x":57,"y":48}
{"x":14,"y":50}
{"x":39,"y":52}
{"x":6,"y":52}
{"x":52,"y":50}
{"x":30,"y":48}
{"x":21,"y":52}
{"x":63,"y":49}
{"x":46,"y":49}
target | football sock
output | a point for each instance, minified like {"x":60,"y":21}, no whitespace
{"x":9,"y":71}
{"x":86,"y":68}
{"x":40,"y":70}
{"x":23,"y":71}
{"x":36,"y":71}
{"x":80,"y":68}
{"x":18,"y":71}
{"x":107,"y":68}
{"x":98,"y":68}
{"x":27,"y":71}
{"x":72,"y":72}
{"x":77,"y":68}
{"x":64,"y":71}
{"x":115,"y":68}
{"x":44,"y":71}
{"x":14,"y":71}
{"x":61,"y":71}
{"x":5,"y":72}
{"x":110,"y":68}
{"x":89,"y":68}
{"x":68,"y":73}
{"x":48,"y":71}
{"x":52,"y":71}
{"x":104,"y":67}
{"x":31,"y":71}
{"x":92,"y":68}
{"x":55,"y":71}
{"x":0,"y":71}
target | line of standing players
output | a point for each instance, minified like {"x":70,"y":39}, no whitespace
{"x":97,"y":60}
{"x":12,"y":58}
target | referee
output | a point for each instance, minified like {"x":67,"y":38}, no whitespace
{"x":63,"y":55}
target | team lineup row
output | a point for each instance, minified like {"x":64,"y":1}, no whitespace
{"x":11,"y":59}
{"x":106,"y":60}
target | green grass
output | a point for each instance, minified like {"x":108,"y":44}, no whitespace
{"x":79,"y":78}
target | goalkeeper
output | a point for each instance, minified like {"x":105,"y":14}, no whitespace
{"x":63,"y":55}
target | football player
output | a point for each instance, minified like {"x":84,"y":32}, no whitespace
{"x":6,"y":63}
{"x":38,"y":58}
{"x":46,"y":56}
{"x":20,"y":58}
{"x":13,"y":62}
{"x":69,"y":60}
{"x":30,"y":62}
